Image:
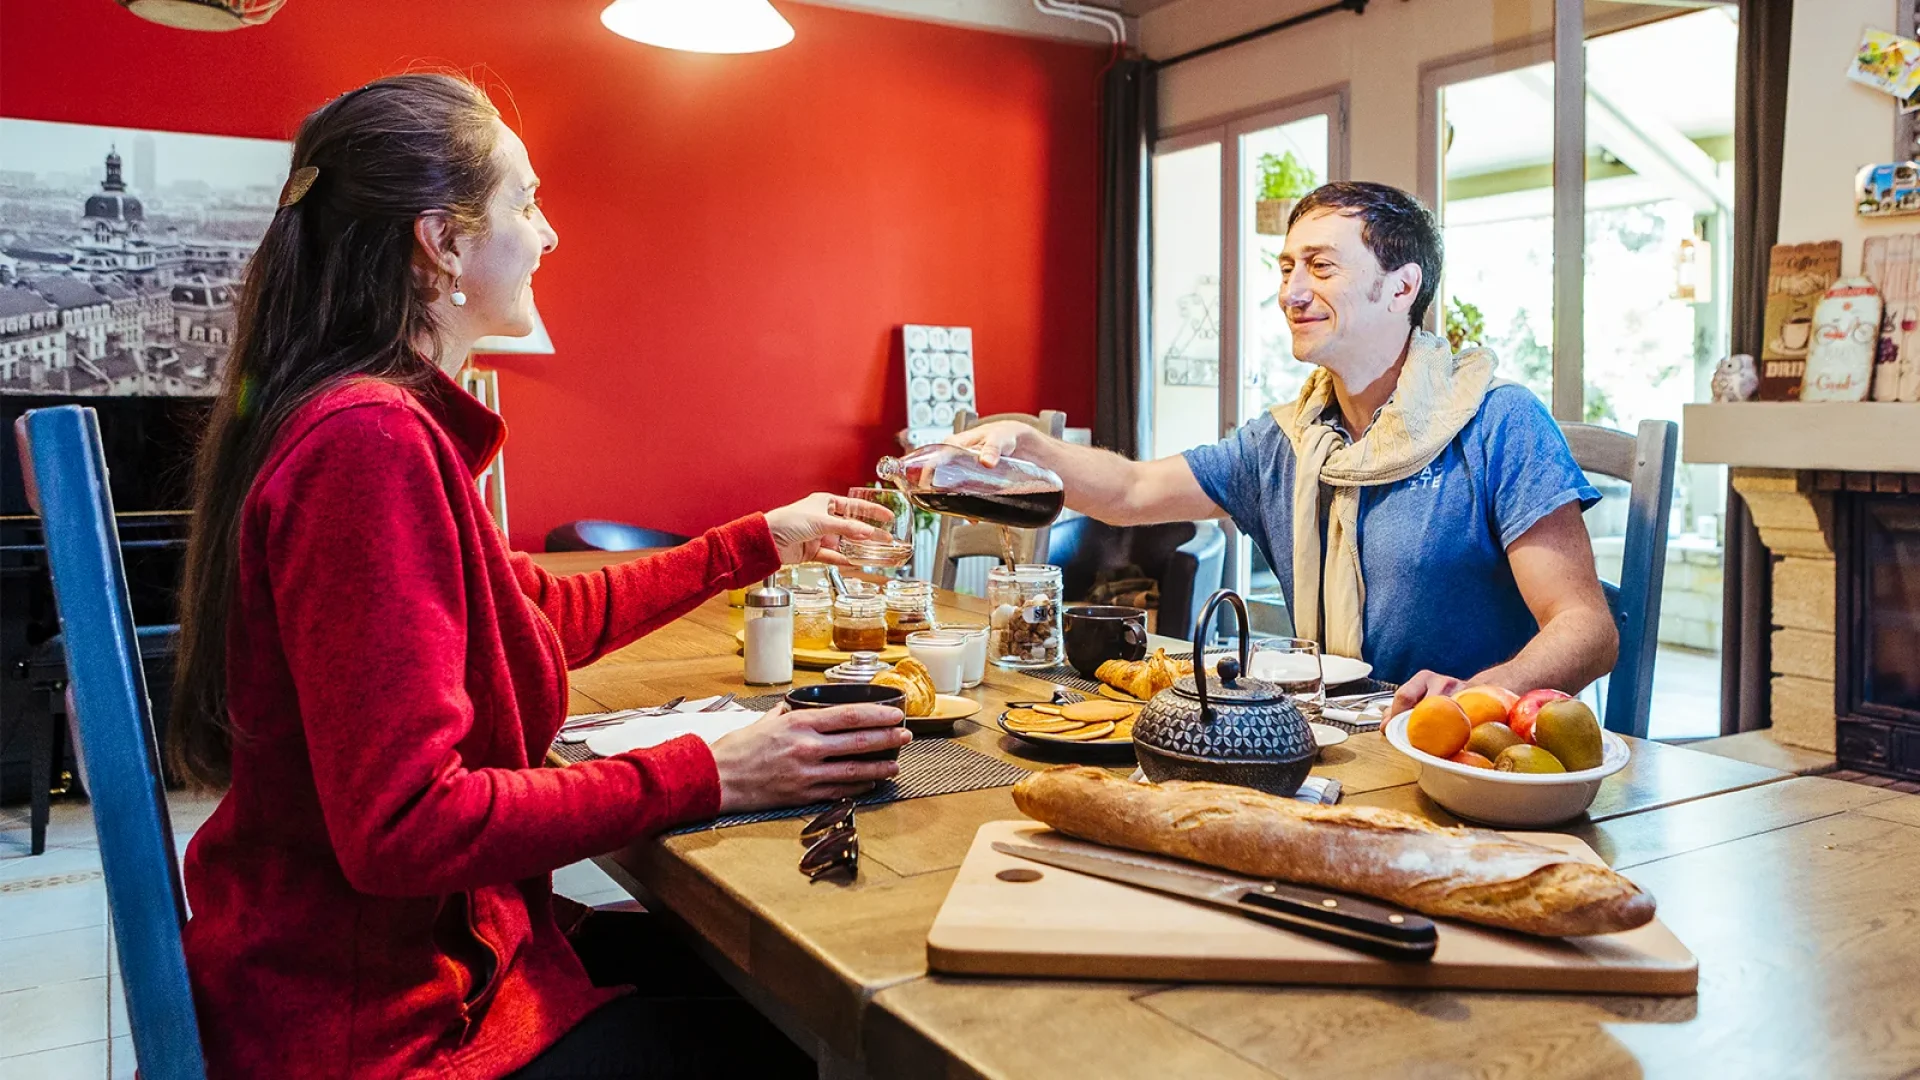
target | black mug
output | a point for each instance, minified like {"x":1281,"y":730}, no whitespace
{"x":1097,"y":633}
{"x":827,"y":695}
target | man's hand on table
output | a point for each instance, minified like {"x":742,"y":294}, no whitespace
{"x":780,"y":759}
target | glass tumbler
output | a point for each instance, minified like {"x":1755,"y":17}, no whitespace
{"x":1293,"y":663}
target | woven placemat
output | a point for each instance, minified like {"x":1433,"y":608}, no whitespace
{"x":928,"y":766}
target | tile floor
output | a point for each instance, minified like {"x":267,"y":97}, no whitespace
{"x":62,"y":1013}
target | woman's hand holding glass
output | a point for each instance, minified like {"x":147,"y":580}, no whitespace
{"x":811,"y":530}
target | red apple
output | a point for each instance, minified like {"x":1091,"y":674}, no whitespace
{"x":1527,"y":709}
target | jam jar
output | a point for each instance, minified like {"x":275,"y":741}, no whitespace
{"x":860,"y":623}
{"x":909,"y":609}
{"x":812,"y":618}
{"x":1025,"y":627}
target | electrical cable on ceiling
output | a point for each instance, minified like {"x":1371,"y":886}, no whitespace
{"x":1110,"y":21}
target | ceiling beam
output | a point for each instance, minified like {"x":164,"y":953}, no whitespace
{"x":1648,"y":145}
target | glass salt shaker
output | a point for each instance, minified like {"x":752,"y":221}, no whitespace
{"x":769,"y":645}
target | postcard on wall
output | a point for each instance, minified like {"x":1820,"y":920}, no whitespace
{"x":1846,"y":331}
{"x":1887,"y":62}
{"x":1797,"y":277}
{"x":1887,"y":190}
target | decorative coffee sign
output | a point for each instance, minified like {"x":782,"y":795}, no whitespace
{"x":1846,"y":333}
{"x":1798,"y":275}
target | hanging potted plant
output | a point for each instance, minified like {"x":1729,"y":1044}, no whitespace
{"x":1283,"y":180}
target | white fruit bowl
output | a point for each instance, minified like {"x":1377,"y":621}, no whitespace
{"x":1510,"y":800}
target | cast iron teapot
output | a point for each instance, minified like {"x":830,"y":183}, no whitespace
{"x":1241,"y":731}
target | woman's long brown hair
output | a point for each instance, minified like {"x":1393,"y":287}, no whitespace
{"x":332,"y":293}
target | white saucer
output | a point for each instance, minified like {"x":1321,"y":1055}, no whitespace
{"x":1325,"y":735}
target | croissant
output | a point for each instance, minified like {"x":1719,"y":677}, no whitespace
{"x":1143,"y":678}
{"x":911,"y":678}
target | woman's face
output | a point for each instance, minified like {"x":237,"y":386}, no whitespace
{"x":496,"y":270}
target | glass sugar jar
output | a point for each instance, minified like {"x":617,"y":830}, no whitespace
{"x":909,"y":609}
{"x":812,"y":618}
{"x":1025,"y":627}
{"x":860,"y":623}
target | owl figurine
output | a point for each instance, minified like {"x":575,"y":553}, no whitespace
{"x":1735,"y":378}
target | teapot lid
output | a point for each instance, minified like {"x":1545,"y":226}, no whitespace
{"x":1230,"y":687}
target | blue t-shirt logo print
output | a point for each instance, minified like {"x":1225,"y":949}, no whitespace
{"x":1440,"y":593}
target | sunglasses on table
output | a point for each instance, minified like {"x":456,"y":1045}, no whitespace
{"x":832,"y":844}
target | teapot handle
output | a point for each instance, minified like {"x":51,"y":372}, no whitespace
{"x":1228,"y":671}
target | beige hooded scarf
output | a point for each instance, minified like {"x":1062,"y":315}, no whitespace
{"x":1437,"y":395}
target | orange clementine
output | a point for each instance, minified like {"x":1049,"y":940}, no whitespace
{"x":1438,"y":726}
{"x":1486,"y":704}
{"x":1468,"y":757}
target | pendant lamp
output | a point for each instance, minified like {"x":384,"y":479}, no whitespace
{"x":709,"y":26}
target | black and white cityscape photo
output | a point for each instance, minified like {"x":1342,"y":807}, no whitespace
{"x":121,"y":255}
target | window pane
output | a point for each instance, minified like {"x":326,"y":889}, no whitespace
{"x":1186,"y":299}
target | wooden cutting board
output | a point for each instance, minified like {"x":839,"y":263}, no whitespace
{"x":1071,"y":925}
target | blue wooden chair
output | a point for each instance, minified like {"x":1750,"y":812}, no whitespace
{"x":1646,"y":463}
{"x":66,"y":482}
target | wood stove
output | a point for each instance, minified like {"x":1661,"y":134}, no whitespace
{"x":1877,"y":632}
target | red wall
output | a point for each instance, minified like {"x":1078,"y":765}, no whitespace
{"x":739,"y":235}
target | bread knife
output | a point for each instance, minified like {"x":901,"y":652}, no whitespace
{"x":1325,"y":916}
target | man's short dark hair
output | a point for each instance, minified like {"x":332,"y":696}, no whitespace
{"x":1393,"y":225}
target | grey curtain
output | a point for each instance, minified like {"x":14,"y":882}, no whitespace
{"x":1759,"y":137}
{"x":1126,"y":128}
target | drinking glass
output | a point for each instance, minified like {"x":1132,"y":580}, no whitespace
{"x":1293,"y":663}
{"x":889,"y":553}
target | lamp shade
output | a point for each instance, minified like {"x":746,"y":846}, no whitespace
{"x":709,"y":26}
{"x":535,"y":341}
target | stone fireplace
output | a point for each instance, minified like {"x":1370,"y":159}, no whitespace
{"x":1834,"y":490}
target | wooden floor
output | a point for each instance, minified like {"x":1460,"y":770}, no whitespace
{"x":1852,"y":776}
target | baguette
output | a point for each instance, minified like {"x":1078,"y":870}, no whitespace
{"x":1471,"y":874}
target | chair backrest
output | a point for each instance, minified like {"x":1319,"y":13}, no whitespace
{"x":591,"y":535}
{"x":1186,"y":558}
{"x":66,"y":481}
{"x":1646,"y":463}
{"x":958,"y":539}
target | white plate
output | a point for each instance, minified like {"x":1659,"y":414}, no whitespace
{"x":936,"y":337}
{"x":922,"y":414}
{"x":943,"y":389}
{"x":962,"y":366}
{"x":1325,"y":735}
{"x":918,"y":363}
{"x":920,"y":389}
{"x":963,"y":389}
{"x":646,"y":731}
{"x":942,"y":363}
{"x":960,"y":338}
{"x":943,"y":413}
{"x":916,"y":337}
{"x":1335,"y":669}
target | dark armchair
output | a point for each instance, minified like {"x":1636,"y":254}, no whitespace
{"x":1187,"y":558}
{"x":593,"y":535}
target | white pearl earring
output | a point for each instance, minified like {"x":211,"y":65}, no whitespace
{"x":459,"y":298}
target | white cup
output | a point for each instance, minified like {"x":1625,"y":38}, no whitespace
{"x":943,"y":654}
{"x":976,"y":654}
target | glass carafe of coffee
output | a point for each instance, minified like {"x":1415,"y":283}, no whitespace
{"x":949,"y":479}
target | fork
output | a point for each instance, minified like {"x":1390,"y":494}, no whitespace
{"x":604,"y":719}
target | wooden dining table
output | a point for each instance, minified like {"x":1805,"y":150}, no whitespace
{"x":1796,"y":893}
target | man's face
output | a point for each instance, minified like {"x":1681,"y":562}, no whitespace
{"x":1341,"y":305}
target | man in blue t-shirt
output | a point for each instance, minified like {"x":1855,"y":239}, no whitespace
{"x":1442,"y":541}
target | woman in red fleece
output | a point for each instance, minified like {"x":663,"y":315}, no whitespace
{"x":376,"y":677}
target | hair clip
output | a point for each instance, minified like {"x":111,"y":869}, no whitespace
{"x":298,"y":185}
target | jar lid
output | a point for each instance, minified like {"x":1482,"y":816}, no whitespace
{"x":862,"y":668}
{"x":769,"y":595}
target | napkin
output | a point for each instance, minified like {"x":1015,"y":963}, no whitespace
{"x":644,"y":731}
{"x":1324,"y":790}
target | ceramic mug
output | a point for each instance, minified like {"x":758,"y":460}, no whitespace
{"x":1097,"y":633}
{"x":827,"y":695}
